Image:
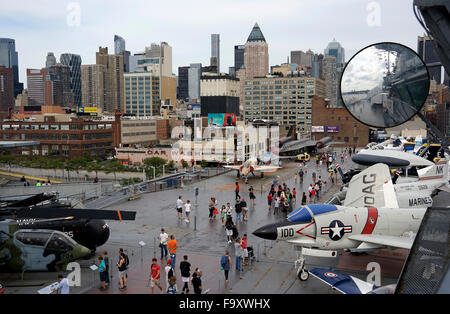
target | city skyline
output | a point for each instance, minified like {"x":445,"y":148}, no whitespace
{"x":43,"y":26}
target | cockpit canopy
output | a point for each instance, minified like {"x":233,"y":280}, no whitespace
{"x":302,"y":214}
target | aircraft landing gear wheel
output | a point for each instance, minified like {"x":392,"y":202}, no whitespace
{"x":303,"y":275}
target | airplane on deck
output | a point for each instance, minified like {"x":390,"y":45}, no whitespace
{"x":251,"y":166}
{"x":418,"y":193}
{"x":347,"y":284}
{"x":374,"y":220}
{"x":44,"y":211}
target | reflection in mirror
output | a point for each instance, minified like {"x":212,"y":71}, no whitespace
{"x":384,"y":85}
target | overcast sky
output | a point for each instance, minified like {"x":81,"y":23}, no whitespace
{"x":365,"y":71}
{"x":40,"y":26}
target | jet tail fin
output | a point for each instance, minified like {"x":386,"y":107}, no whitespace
{"x":372,"y":188}
{"x":435,"y":172}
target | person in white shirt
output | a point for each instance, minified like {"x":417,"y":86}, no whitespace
{"x":187,"y":210}
{"x":63,"y":285}
{"x":163,"y":237}
{"x":180,"y":207}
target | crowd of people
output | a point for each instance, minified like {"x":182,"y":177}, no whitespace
{"x":280,"y":198}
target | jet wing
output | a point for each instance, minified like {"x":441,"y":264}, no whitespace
{"x":294,"y":146}
{"x":49,"y":213}
{"x":372,"y":188}
{"x":233,"y":167}
{"x":390,"y":241}
{"x":342,"y":282}
{"x":265,"y":168}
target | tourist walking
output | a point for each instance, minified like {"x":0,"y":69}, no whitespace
{"x":187,"y":210}
{"x":225,"y":265}
{"x":172,"y":245}
{"x":180,"y":205}
{"x":185,"y":268}
{"x":155,"y":276}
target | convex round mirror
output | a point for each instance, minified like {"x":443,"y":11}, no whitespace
{"x":384,"y":85}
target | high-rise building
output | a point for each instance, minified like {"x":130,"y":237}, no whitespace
{"x":256,"y":59}
{"x":40,"y":91}
{"x":142,"y":91}
{"x":156,"y":59}
{"x":219,"y":94}
{"x":194,"y":76}
{"x":425,"y":49}
{"x":286,"y":100}
{"x":6,"y":88}
{"x":238,"y":57}
{"x":51,"y":60}
{"x":183,"y":83}
{"x":59,"y":75}
{"x":92,"y":85}
{"x":330,"y":75}
{"x":9,"y":58}
{"x":120,"y":49}
{"x":302,"y":58}
{"x":335,"y":49}
{"x":316,"y":70}
{"x":215,"y":51}
{"x":113,"y":85}
{"x":256,"y":55}
{"x":73,"y":61}
{"x":119,"y":45}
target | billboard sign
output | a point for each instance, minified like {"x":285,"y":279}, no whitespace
{"x":221,"y":119}
{"x":332,"y":129}
{"x":87,"y":110}
{"x":191,"y":107}
{"x":317,"y":129}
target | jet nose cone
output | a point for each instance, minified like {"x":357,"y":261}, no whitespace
{"x":268,"y":232}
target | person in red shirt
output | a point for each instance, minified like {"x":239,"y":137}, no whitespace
{"x":155,"y":275}
{"x":244,"y":248}
{"x":269,"y":200}
{"x":237,"y":191}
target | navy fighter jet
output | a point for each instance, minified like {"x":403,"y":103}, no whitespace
{"x":374,"y":220}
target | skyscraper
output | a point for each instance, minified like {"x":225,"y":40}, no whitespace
{"x":194,"y":74}
{"x":9,"y":58}
{"x":113,"y":85}
{"x":238,"y":57}
{"x":51,"y":60}
{"x":92,"y":85}
{"x":73,"y":61}
{"x":215,"y":51}
{"x":302,"y":58}
{"x":335,"y":49}
{"x":120,"y":49}
{"x":59,"y":76}
{"x":6,"y":88}
{"x":330,"y":75}
{"x":256,"y":55}
{"x":183,"y":83}
{"x":119,"y":45}
{"x":425,"y":49}
{"x":39,"y":87}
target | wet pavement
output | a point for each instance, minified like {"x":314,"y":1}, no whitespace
{"x":204,"y":241}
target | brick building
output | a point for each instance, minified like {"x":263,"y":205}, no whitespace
{"x":64,"y":139}
{"x":338,"y":124}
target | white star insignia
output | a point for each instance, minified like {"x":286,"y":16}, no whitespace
{"x":336,"y":230}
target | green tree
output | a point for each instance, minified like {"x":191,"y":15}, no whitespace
{"x":54,"y":163}
{"x":114,"y":166}
{"x":156,"y":162}
{"x":94,"y":166}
